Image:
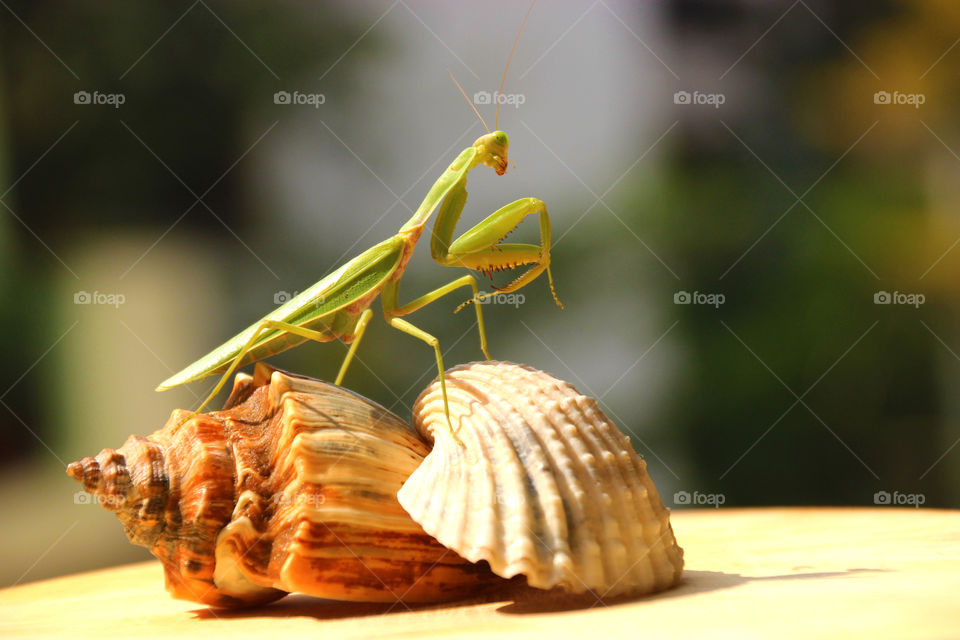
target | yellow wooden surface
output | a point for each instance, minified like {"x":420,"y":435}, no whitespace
{"x":763,"y":573}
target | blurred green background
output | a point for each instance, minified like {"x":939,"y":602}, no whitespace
{"x":784,"y":167}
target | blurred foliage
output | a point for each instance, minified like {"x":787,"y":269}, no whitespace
{"x":800,"y":309}
{"x":189,"y":97}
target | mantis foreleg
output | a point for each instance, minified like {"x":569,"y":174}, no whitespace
{"x":478,"y":248}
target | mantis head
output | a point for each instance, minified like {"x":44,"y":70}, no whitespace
{"x":492,"y":148}
{"x":492,"y":151}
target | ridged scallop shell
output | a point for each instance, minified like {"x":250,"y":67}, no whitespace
{"x":292,"y":487}
{"x":544,"y":485}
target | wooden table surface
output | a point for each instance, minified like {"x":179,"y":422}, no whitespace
{"x":764,"y":573}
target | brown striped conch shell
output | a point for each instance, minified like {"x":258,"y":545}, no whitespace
{"x":291,"y":488}
{"x":297,"y":486}
{"x":544,"y":485}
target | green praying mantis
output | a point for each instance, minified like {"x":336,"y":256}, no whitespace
{"x":338,"y":306}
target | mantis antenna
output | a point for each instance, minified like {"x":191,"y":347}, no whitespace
{"x":472,"y":106}
{"x":496,"y":121}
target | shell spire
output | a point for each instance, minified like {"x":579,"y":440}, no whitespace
{"x":136,"y":490}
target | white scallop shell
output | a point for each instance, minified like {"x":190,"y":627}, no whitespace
{"x":545,"y":485}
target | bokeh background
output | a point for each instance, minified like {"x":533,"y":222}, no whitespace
{"x":780,"y":165}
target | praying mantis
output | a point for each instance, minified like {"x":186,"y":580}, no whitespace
{"x":338,"y":306}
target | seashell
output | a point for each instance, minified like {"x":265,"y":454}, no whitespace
{"x":291,"y":487}
{"x":299,"y":485}
{"x":544,"y":485}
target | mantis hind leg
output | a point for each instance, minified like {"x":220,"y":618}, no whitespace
{"x":260,"y":328}
{"x":358,"y":330}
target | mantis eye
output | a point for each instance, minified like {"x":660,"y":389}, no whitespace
{"x":501,"y":137}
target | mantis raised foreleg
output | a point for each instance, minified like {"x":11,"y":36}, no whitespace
{"x":478,"y":248}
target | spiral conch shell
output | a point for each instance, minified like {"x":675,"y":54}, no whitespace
{"x":301,"y":486}
{"x":292,"y":487}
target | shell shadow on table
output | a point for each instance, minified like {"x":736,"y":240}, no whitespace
{"x":513,"y":598}
{"x":694,"y":583}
